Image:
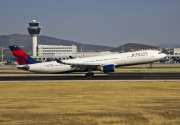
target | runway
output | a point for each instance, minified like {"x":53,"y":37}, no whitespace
{"x":112,"y":76}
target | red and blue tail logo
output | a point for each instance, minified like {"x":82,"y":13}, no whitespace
{"x":21,"y":57}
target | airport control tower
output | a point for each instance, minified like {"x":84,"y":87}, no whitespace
{"x":34,"y":31}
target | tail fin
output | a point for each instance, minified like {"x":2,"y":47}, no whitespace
{"x":21,"y":57}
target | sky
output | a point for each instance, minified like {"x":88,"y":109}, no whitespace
{"x":99,"y":22}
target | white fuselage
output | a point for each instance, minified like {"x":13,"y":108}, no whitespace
{"x":121,"y":59}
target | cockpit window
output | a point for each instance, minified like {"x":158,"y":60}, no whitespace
{"x":159,"y":52}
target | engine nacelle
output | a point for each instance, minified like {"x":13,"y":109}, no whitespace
{"x":108,"y":68}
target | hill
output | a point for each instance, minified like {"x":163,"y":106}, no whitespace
{"x":133,"y":47}
{"x":25,"y":40}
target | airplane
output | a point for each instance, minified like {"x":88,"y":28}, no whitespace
{"x":105,"y":63}
{"x":176,"y":59}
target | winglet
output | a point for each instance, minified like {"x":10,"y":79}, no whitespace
{"x":71,"y":57}
{"x":58,"y":61}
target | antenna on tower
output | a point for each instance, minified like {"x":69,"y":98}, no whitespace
{"x":33,"y":21}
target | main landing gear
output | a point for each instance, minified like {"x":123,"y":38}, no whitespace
{"x":90,"y":74}
{"x":151,"y":66}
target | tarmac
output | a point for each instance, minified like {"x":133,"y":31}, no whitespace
{"x":12,"y":74}
{"x":102,"y":77}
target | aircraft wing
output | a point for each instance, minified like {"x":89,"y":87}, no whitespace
{"x":83,"y":65}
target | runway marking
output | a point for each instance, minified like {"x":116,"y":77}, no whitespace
{"x":54,"y":81}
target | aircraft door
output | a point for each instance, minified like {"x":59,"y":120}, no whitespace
{"x":122,"y":58}
{"x":41,"y":67}
{"x":151,"y":55}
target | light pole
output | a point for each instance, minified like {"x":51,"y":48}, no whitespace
{"x":81,"y":49}
{"x":2,"y":54}
{"x":169,"y":53}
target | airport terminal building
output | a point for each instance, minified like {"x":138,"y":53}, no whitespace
{"x":176,"y":51}
{"x":50,"y":52}
{"x":55,"y":50}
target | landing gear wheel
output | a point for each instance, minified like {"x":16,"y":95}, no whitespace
{"x":92,"y":74}
{"x":89,"y":75}
{"x":151,"y":66}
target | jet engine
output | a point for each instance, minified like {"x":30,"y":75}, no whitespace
{"x":108,"y":68}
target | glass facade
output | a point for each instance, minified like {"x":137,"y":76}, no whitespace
{"x":33,"y":24}
{"x":34,"y":31}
